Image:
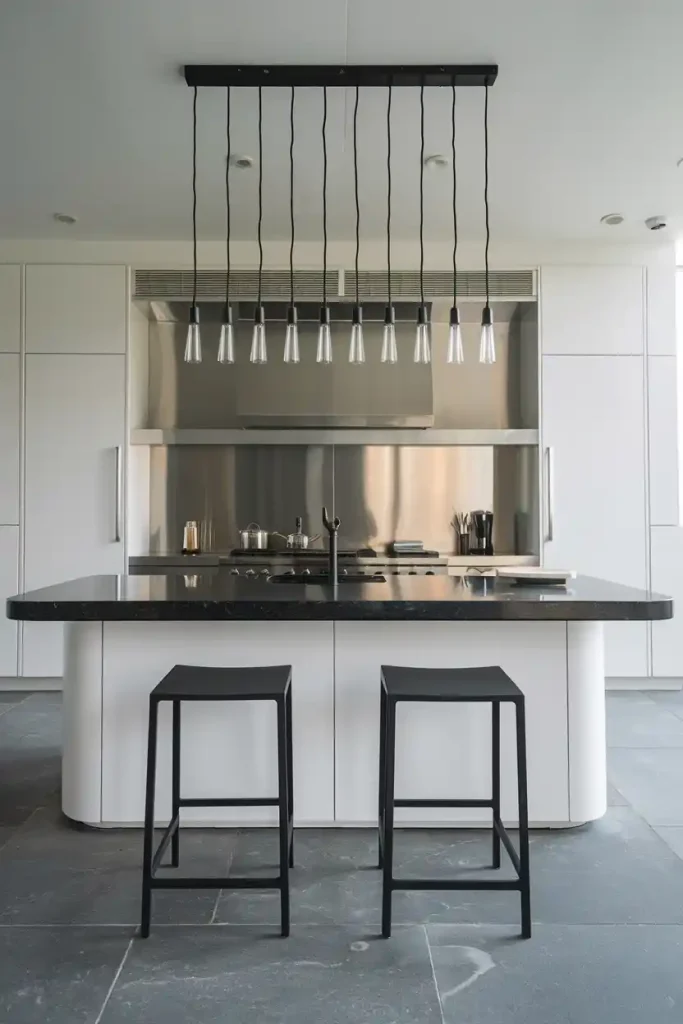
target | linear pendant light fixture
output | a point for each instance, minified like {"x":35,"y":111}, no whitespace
{"x":193,"y":344}
{"x":455,"y":350}
{"x":389,"y":351}
{"x":259,"y":352}
{"x":487,"y":345}
{"x":226,"y":344}
{"x":340,"y":76}
{"x":356,"y":345}
{"x":423,"y":353}
{"x":324,"y":350}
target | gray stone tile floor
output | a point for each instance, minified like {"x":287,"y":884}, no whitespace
{"x":607,"y":906}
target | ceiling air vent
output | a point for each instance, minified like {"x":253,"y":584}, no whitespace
{"x":405,"y":284}
{"x":176,"y":285}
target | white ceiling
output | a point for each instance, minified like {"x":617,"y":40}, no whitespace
{"x":586,"y":117}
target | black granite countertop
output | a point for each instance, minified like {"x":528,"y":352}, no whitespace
{"x":206,"y":596}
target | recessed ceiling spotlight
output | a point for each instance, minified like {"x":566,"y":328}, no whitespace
{"x":436,"y":160}
{"x":242,"y":161}
{"x":612,"y":219}
{"x":64,"y":218}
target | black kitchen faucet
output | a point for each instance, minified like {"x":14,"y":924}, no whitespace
{"x":332,"y":527}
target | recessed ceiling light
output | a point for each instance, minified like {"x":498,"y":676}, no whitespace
{"x":612,"y":219}
{"x":436,"y":160}
{"x":242,"y":161}
{"x":64,"y":218}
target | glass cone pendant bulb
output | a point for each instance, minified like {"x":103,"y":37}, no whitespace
{"x":423,"y":349}
{"x":226,"y":344}
{"x":389,"y":350}
{"x":193,"y":345}
{"x":456,"y":352}
{"x":292,"y":337}
{"x":259,"y":352}
{"x":487,"y":344}
{"x":357,"y":345}
{"x":324,"y":350}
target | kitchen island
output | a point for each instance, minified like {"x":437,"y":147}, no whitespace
{"x":123,"y":633}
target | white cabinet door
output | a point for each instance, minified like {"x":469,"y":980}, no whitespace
{"x":444,"y":752}
{"x":9,"y":439}
{"x":662,"y":403}
{"x":71,"y":309}
{"x":592,"y":310}
{"x":10,"y":308}
{"x":594,"y":424}
{"x":9,"y":585}
{"x":228,"y":749}
{"x":667,"y":578}
{"x":75,"y":408}
{"x":661,"y":310}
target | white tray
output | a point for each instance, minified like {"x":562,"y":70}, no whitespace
{"x":531,"y":575}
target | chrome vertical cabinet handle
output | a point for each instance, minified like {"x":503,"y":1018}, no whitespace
{"x":118,"y":493}
{"x":550,"y":493}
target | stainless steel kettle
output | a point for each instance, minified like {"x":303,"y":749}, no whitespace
{"x":299,"y":541}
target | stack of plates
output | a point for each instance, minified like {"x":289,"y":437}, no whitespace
{"x":533,"y":576}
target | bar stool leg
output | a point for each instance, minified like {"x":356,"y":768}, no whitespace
{"x":175,"y":785}
{"x":495,"y":778}
{"x":388,"y":831}
{"x":290,"y":777}
{"x":524,"y":874}
{"x":149,"y":820}
{"x":382,"y":773}
{"x":283,"y":804}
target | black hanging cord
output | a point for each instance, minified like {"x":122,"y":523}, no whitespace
{"x":291,"y":198}
{"x":355,"y":179}
{"x":389,"y":195}
{"x":422,"y":196}
{"x":325,"y":195}
{"x":260,"y":192}
{"x":194,"y":197}
{"x":455,"y":206}
{"x":227,"y":204}
{"x":486,"y":187}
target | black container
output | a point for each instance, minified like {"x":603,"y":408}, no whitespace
{"x":482,"y":533}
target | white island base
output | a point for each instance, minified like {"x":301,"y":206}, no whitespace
{"x":229,"y":749}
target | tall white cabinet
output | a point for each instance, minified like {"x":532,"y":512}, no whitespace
{"x":10,"y":426}
{"x":594,"y":443}
{"x":75,"y":400}
{"x":610,"y":441}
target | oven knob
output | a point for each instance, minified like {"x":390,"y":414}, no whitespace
{"x":305,"y":572}
{"x":345,"y":572}
{"x":234,"y":572}
{"x":289,"y":572}
{"x":265,"y":572}
{"x":250,"y":572}
{"x":395,"y":572}
{"x":412,"y":572}
{"x":430,"y":572}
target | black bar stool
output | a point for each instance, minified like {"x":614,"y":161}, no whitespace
{"x":493,"y":686}
{"x":189,"y":682}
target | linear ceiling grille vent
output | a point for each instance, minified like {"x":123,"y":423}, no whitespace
{"x":177,"y":284}
{"x":405,"y":284}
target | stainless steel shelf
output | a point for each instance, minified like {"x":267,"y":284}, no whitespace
{"x":284,"y":436}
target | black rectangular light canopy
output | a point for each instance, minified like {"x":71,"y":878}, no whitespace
{"x":319,"y":75}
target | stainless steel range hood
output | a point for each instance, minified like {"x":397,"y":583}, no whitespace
{"x":309,"y":394}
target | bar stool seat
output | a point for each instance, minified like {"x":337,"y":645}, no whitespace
{"x":488,"y":684}
{"x":193,"y":683}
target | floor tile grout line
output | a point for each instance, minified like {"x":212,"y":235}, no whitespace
{"x":113,"y":984}
{"x":431,"y":963}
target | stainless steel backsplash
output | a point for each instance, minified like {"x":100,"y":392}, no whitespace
{"x":380,"y":492}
